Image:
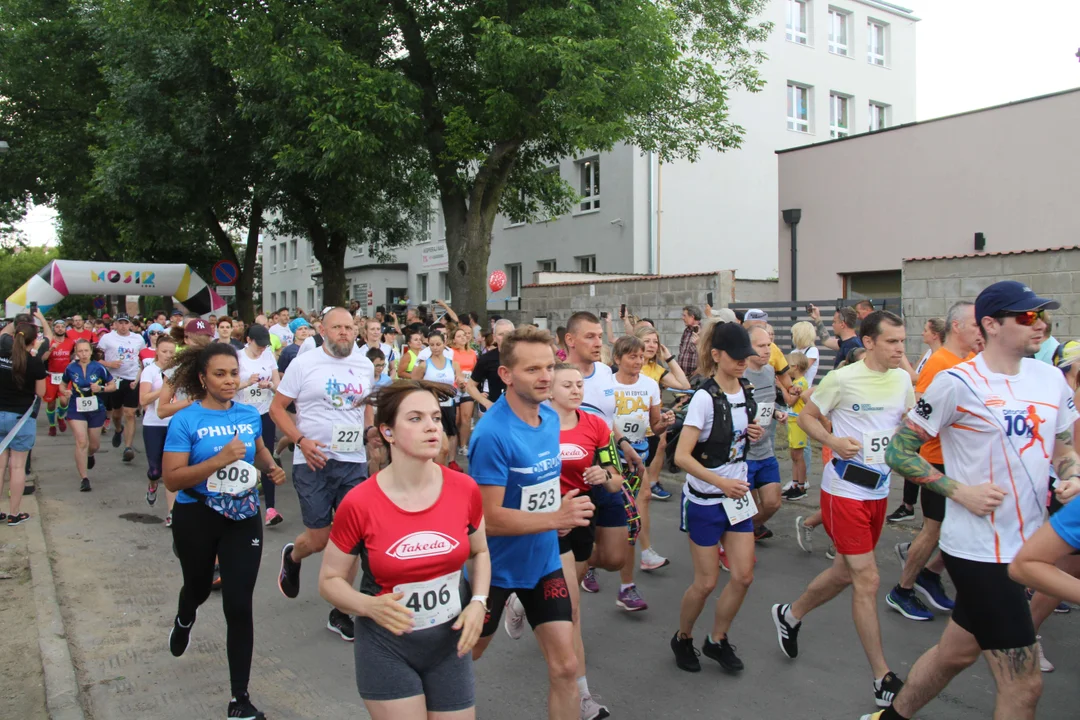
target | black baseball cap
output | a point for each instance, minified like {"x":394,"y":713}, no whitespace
{"x":174,"y":313}
{"x":733,"y":339}
{"x":1010,"y":296}
{"x":122,"y":318}
{"x":259,"y":335}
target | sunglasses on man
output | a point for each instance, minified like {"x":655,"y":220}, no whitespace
{"x":1027,"y":318}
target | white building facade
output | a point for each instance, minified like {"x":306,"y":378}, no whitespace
{"x":834,"y":68}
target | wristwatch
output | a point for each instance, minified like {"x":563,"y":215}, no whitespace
{"x":482,"y":599}
{"x":624,"y":439}
{"x":668,"y":361}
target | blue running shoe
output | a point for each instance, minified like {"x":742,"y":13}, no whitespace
{"x":928,"y":584}
{"x":908,"y":604}
{"x":1063,"y":607}
{"x":659,"y":493}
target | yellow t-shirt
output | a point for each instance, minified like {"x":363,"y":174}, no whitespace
{"x":654,"y":370}
{"x":777,"y":359}
{"x":801,"y":402}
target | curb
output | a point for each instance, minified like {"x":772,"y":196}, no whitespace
{"x":61,"y":687}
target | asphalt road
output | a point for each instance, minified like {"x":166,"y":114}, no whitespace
{"x":117,"y":582}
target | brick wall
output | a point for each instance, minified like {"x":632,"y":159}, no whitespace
{"x":930,"y":286}
{"x":658,"y":297}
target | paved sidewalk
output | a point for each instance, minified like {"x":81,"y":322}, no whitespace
{"x":117,"y":582}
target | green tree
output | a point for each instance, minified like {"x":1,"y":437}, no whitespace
{"x":502,"y":89}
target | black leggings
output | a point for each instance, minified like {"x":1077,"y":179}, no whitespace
{"x":911,"y":493}
{"x":269,"y":435}
{"x":201,"y":534}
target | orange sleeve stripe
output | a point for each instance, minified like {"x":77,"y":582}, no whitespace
{"x":958,"y":426}
{"x":1012,"y":483}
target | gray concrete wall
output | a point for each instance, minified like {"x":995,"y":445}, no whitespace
{"x":931,"y":286}
{"x":660,"y":298}
{"x":870,"y":201}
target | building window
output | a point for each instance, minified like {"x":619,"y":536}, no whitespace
{"x":547,"y":265}
{"x":295,"y":247}
{"x":310,"y":300}
{"x":590,"y":184}
{"x":273,"y":300}
{"x":798,"y":108}
{"x":586,"y":263}
{"x":273,"y":258}
{"x":444,"y":286}
{"x":875,"y":52}
{"x":838,"y":32}
{"x":872,"y":285}
{"x":513,"y":272}
{"x":797,"y":28}
{"x":839,"y":121}
{"x":284,"y":251}
{"x":879,"y":116}
{"x":421,"y":287}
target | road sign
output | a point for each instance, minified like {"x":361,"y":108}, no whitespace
{"x":99,"y":303}
{"x":225,"y":272}
{"x":226,"y":290}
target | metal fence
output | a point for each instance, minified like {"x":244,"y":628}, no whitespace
{"x":785,"y":313}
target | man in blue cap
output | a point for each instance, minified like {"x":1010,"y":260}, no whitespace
{"x":1003,"y":419}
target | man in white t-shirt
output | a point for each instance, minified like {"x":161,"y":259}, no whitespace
{"x":121,"y":348}
{"x":280,"y":328}
{"x":865,"y":402}
{"x":1003,"y":419}
{"x":373,"y":339}
{"x":332,"y":425}
{"x":584,"y":340}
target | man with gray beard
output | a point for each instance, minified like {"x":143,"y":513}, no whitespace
{"x":329,"y":386}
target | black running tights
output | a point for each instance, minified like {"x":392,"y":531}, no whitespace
{"x":201,"y":535}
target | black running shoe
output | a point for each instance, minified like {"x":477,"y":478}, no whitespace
{"x":762,"y":533}
{"x":901,"y":514}
{"x":288,"y":580}
{"x":118,"y":437}
{"x":240,"y":708}
{"x":129,"y":454}
{"x":179,"y":637}
{"x":722,"y":652}
{"x":84,"y":486}
{"x":90,"y":462}
{"x":341,"y":624}
{"x":890,"y":688}
{"x":215,"y":584}
{"x":795,"y":492}
{"x":786,"y":634}
{"x":686,"y":655}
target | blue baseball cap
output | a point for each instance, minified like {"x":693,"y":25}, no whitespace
{"x":298,"y":323}
{"x":1010,"y":296}
{"x":155,"y":327}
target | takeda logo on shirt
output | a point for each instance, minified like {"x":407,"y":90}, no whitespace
{"x":425,"y":543}
{"x":571,"y":451}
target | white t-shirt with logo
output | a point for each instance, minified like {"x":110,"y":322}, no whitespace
{"x":387,"y":351}
{"x":126,"y":350}
{"x":599,"y":396}
{"x":152,"y":374}
{"x":632,"y":404}
{"x":329,"y":392}
{"x":1000,"y":429}
{"x":869,"y":406}
{"x":284,"y":334}
{"x":699,"y":414}
{"x":263,"y":366}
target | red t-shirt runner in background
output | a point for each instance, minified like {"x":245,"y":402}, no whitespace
{"x":577,"y":450}
{"x":60,"y":355}
{"x":396,"y":546}
{"x":84,"y":334}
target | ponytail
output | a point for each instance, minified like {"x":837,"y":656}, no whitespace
{"x":25,"y":335}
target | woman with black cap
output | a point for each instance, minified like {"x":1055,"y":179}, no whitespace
{"x":717,"y":503}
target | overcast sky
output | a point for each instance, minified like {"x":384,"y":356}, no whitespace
{"x":970,"y":54}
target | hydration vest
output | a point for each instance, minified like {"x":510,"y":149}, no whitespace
{"x":715,"y":450}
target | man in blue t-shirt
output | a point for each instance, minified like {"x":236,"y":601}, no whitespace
{"x":514,"y":457}
{"x":845,"y":337}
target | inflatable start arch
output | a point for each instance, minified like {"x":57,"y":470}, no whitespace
{"x":61,"y":278}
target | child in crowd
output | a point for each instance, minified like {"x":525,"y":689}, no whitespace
{"x":799,"y":364}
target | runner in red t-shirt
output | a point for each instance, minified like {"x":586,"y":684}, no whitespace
{"x":79,"y":331}
{"x":412,"y":526}
{"x":60,"y":351}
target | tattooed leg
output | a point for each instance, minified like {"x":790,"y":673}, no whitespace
{"x":1019,"y":682}
{"x":955,"y":652}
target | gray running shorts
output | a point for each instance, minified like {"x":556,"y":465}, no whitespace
{"x":321,"y":491}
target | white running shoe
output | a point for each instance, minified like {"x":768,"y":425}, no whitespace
{"x":1044,"y":664}
{"x":804,"y":535}
{"x":514,"y":618}
{"x":463,"y":451}
{"x":591,"y":709}
{"x":652,"y":560}
{"x":831,"y":552}
{"x":901,"y":550}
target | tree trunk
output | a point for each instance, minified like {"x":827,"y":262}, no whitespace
{"x":330,"y":250}
{"x":245,"y":281}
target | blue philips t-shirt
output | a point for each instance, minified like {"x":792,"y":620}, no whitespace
{"x":201,"y":433}
{"x":506,"y":451}
{"x":1066,"y":523}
